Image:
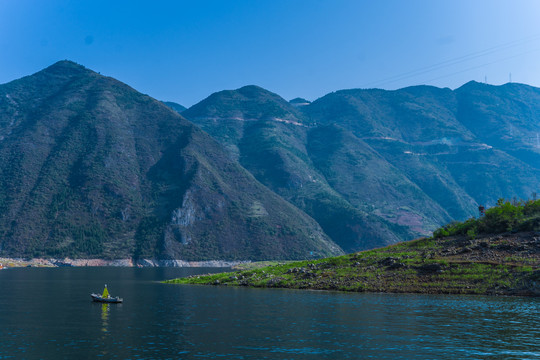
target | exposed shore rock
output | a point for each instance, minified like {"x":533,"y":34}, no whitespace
{"x":18,"y":262}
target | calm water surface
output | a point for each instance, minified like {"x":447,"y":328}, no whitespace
{"x":48,"y":313}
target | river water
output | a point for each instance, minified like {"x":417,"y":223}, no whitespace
{"x":48,"y":314}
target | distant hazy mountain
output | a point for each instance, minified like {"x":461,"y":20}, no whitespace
{"x":176,"y":107}
{"x":89,"y":167}
{"x":299,"y":102}
{"x":373,"y":166}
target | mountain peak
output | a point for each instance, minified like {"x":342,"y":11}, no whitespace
{"x":473,"y":85}
{"x":66,"y":67}
{"x":247,"y":102}
{"x":253,"y":91}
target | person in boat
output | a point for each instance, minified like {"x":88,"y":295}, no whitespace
{"x":106,"y":297}
{"x":105,"y":294}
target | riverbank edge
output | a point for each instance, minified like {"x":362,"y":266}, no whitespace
{"x":494,"y":264}
{"x":39,"y":262}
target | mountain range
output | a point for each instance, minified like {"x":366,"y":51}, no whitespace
{"x":89,"y":167}
{"x":373,"y":167}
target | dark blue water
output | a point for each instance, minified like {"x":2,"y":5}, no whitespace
{"x":48,"y":314}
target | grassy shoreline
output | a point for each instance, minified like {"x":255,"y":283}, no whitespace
{"x":499,"y":264}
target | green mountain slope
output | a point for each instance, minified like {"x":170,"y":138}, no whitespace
{"x":506,"y":117}
{"x":430,"y":135}
{"x":369,"y":182}
{"x":91,"y":168}
{"x":272,"y":140}
{"x":374,"y":166}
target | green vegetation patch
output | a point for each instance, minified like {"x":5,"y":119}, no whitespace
{"x":506,"y":216}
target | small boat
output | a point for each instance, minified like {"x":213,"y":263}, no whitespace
{"x":105,"y":297}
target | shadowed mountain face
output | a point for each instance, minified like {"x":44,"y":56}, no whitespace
{"x":373,"y":166}
{"x":91,"y":168}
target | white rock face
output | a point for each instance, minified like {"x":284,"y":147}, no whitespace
{"x":185,"y":215}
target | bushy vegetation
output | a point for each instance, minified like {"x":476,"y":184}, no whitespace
{"x":505,"y":216}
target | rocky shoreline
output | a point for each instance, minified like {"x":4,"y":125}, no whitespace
{"x":19,"y":262}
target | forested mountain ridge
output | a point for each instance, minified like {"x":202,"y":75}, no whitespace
{"x":384,"y":165}
{"x":91,"y":168}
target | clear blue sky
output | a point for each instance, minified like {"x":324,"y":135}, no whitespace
{"x":183,"y":51}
